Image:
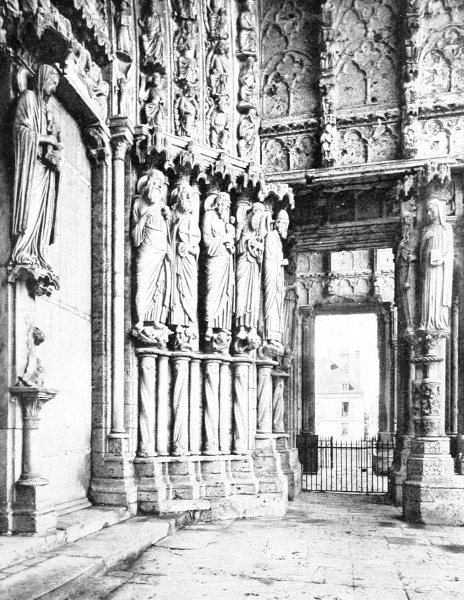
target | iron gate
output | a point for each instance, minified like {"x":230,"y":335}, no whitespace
{"x":350,"y":466}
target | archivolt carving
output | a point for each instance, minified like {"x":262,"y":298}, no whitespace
{"x":442,"y":63}
{"x":435,"y":139}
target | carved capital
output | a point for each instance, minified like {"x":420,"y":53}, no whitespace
{"x":32,"y":400}
{"x":120,"y":146}
{"x":97,"y":145}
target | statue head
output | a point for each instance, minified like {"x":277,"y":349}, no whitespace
{"x":223,"y":205}
{"x":47,"y":80}
{"x":435,"y":212}
{"x":153,"y":186}
{"x":185,"y":197}
{"x":282,"y":223}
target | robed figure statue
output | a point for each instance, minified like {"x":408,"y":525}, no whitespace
{"x":37,"y":162}
{"x":150,"y":234}
{"x":185,"y":235}
{"x":274,"y":281}
{"x":250,"y":246}
{"x":437,"y":268}
{"x":219,"y":245}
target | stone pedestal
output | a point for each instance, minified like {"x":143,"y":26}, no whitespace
{"x":382,"y":461}
{"x":399,"y":473}
{"x":153,"y":483}
{"x":267,"y":464}
{"x":32,"y":510}
{"x":290,"y":465}
{"x":433,"y":494}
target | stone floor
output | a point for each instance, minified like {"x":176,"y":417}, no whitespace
{"x":327,"y":547}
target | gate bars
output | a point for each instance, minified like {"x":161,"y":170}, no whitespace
{"x":360,"y":466}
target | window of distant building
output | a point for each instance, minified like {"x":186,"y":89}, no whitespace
{"x":345,"y":386}
{"x":344,"y":429}
{"x":345,"y":409}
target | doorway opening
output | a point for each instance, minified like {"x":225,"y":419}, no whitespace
{"x":346,"y":376}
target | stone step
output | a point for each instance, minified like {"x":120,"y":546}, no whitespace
{"x":70,"y":527}
{"x":63,"y":571}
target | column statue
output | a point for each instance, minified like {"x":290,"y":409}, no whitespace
{"x":274,"y":282}
{"x":150,"y":234}
{"x":250,"y":236}
{"x":152,"y":96}
{"x":219,"y":245}
{"x":248,"y":28}
{"x":37,"y":150}
{"x":185,"y":241}
{"x":406,"y":258}
{"x":248,"y":135}
{"x":437,"y":268}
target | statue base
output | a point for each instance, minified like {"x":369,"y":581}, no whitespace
{"x":32,"y":511}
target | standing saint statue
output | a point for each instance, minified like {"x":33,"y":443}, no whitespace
{"x":406,"y":259}
{"x":250,"y":246}
{"x":248,"y":28}
{"x":437,"y":268}
{"x":37,"y":152}
{"x":185,"y":240}
{"x":150,"y":234}
{"x":152,"y":35}
{"x":274,"y":281}
{"x":219,"y":245}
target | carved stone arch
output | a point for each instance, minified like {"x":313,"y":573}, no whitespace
{"x":353,"y":148}
{"x":435,"y":138}
{"x":352,"y":85}
{"x":275,"y":155}
{"x":384,"y":81}
{"x":354,"y":27}
{"x":303,"y":152}
{"x":383,"y":145}
{"x":273,"y":41}
{"x":434,"y":72}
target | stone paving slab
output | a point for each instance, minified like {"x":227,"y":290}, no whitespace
{"x":55,"y":575}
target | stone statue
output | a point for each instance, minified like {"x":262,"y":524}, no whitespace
{"x":219,"y":245}
{"x":248,"y":134}
{"x":219,"y":124}
{"x":33,"y":375}
{"x":123,"y":29}
{"x":152,"y":35}
{"x":151,"y":237}
{"x":124,"y":80}
{"x":186,"y":9}
{"x":248,"y":28}
{"x":406,"y":259}
{"x":186,"y":112}
{"x":218,"y":75}
{"x":274,"y":282}
{"x":436,"y":256}
{"x":37,"y":151}
{"x":250,"y":236}
{"x":217,"y":19}
{"x":152,"y":95}
{"x":247,"y":80}
{"x":185,"y":241}
{"x":187,"y":67}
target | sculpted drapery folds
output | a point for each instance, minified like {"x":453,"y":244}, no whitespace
{"x":152,"y":94}
{"x":248,"y":28}
{"x":248,"y":130}
{"x":407,"y":263}
{"x":150,"y":234}
{"x":152,"y":34}
{"x":274,"y":282}
{"x":218,"y":242}
{"x":437,"y":268}
{"x":37,"y":162}
{"x":250,"y":246}
{"x":185,"y":239}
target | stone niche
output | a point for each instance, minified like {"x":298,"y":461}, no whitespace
{"x":64,"y":318}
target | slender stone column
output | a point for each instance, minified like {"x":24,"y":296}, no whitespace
{"x":122,"y":134}
{"x":264,"y":417}
{"x":241,"y":374}
{"x":278,"y":402}
{"x":195,"y":407}
{"x":212,"y":406}
{"x":32,"y":512}
{"x":180,"y":403}
{"x":225,"y":409}
{"x":147,"y":407}
{"x":162,"y":425}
